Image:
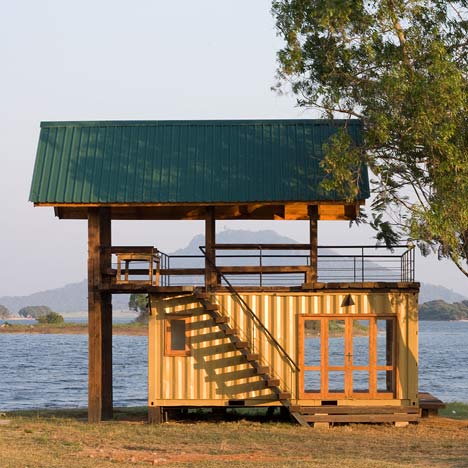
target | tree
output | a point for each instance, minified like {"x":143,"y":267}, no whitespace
{"x":139,"y":303}
{"x":51,"y":317}
{"x":400,"y":67}
{"x":34,"y":311}
{"x":4,"y":312}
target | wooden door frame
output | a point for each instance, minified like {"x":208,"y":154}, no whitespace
{"x":324,"y":368}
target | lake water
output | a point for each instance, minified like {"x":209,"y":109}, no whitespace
{"x":50,"y":371}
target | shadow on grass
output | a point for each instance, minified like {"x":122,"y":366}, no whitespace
{"x":188,"y":415}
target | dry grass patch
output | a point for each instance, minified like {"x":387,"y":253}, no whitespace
{"x":64,"y":439}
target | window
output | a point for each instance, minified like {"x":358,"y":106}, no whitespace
{"x":176,"y":337}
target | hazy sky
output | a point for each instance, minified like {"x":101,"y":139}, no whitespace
{"x":90,"y":60}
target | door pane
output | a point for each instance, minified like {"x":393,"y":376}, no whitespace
{"x":385,"y":381}
{"x":361,"y":342}
{"x":312,"y":381}
{"x":360,"y":381}
{"x":312,"y":341}
{"x":336,"y":381}
{"x":385,"y":341}
{"x":336,"y":342}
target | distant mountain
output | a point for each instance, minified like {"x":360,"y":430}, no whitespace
{"x":433,"y":292}
{"x":70,"y":298}
{"x":73,"y":297}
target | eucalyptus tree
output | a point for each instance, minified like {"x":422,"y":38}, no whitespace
{"x":400,"y":67}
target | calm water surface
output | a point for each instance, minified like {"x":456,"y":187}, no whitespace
{"x":50,"y":371}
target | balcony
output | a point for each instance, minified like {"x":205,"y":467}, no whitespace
{"x":267,"y":266}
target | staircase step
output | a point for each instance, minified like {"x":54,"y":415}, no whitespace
{"x":230,"y":331}
{"x":209,"y":306}
{"x":220,"y":319}
{"x":242,"y":344}
{"x":284,"y":396}
{"x":201,"y":296}
{"x":272,"y":382}
{"x":251,"y":356}
{"x":262,"y":369}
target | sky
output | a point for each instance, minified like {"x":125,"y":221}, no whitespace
{"x":141,"y":60}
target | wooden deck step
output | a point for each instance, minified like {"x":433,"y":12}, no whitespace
{"x":351,"y":410}
{"x":429,"y":404}
{"x":360,"y":418}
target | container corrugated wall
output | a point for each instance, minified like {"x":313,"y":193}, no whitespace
{"x":216,"y":371}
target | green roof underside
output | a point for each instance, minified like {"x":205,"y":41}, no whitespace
{"x":185,"y":161}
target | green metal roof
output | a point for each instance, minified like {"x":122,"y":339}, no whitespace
{"x":185,"y":161}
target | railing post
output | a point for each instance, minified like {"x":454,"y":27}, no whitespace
{"x":313,"y":217}
{"x":261,"y":265}
{"x":362,"y":264}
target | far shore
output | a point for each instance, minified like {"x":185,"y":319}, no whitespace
{"x":70,"y":328}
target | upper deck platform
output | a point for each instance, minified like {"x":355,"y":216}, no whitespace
{"x":267,"y":267}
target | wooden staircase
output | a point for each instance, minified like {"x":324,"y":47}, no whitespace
{"x":251,"y":357}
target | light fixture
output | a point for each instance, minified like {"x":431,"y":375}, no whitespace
{"x":347,"y":301}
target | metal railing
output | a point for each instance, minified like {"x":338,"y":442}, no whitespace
{"x":286,"y":265}
{"x":281,"y":265}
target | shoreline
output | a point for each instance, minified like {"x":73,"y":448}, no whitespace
{"x":70,"y":328}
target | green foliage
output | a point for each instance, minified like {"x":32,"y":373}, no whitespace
{"x":139,"y":303}
{"x":34,"y":311}
{"x":51,"y":318}
{"x":441,"y":310}
{"x":4,"y":312}
{"x":400,"y":67}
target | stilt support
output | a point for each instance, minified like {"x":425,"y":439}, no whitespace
{"x":99,"y":318}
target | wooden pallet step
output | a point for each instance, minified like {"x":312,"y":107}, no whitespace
{"x":359,"y":410}
{"x":361,"y":418}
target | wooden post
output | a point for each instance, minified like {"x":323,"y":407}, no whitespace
{"x":99,"y":317}
{"x":313,"y":216}
{"x":210,"y":242}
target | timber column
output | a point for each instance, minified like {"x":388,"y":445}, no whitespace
{"x":99,"y":316}
{"x":313,"y":220}
{"x":210,"y":241}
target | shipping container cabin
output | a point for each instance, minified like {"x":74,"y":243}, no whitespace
{"x":327,"y":332}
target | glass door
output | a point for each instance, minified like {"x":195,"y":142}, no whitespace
{"x":347,"y":357}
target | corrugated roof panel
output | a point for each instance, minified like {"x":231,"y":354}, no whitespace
{"x":185,"y":161}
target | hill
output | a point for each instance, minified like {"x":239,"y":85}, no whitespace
{"x":69,"y":298}
{"x":440,"y":310}
{"x":73,"y":297}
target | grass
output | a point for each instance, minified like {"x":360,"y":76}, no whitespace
{"x":455,"y":410}
{"x":40,"y":439}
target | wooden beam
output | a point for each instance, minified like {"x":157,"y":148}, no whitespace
{"x":210,"y":242}
{"x":99,"y":317}
{"x":328,"y":210}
